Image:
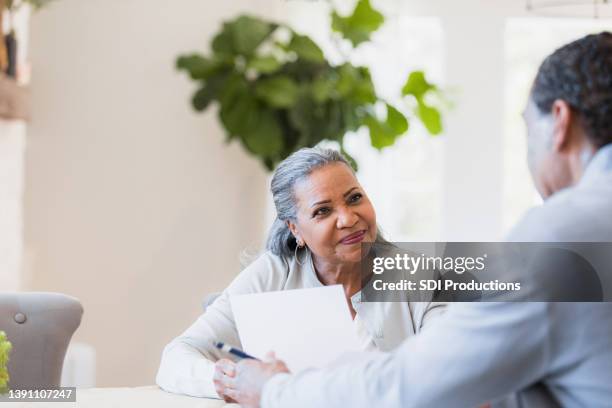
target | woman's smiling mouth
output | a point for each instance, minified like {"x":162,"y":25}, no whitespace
{"x":353,"y":238}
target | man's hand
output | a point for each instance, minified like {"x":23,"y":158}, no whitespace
{"x":223,"y":368}
{"x":249,"y":378}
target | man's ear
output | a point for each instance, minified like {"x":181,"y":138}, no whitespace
{"x":562,"y":117}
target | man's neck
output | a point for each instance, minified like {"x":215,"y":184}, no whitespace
{"x":581,"y":159}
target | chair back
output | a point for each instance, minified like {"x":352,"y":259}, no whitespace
{"x":39,"y":325}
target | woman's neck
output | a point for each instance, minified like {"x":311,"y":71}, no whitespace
{"x":346,"y":274}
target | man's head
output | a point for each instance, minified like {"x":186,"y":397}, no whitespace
{"x":569,"y":112}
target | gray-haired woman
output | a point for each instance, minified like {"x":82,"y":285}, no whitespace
{"x":323,"y":214}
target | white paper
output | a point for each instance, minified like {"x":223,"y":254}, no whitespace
{"x":304,"y":327}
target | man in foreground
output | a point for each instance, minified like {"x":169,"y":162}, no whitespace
{"x":538,"y":353}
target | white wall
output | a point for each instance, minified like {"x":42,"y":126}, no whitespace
{"x":474,"y":161}
{"x":133,"y":202}
{"x":12,"y":147}
{"x":12,"y":163}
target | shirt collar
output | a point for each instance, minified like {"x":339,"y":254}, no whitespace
{"x":600,"y":163}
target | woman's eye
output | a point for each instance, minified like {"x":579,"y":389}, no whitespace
{"x":355,"y":198}
{"x":321,"y":211}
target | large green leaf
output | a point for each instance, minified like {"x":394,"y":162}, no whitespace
{"x":364,"y":91}
{"x":265,"y":138}
{"x":234,"y":87}
{"x":315,"y":121}
{"x":278,"y":91}
{"x":430,"y":117}
{"x":241,"y":36}
{"x":265,"y":64}
{"x":223,"y":42}
{"x":202,"y":98}
{"x":216,"y":86}
{"x":302,"y":116}
{"x":249,"y":32}
{"x":358,"y":26}
{"x":305,"y":48}
{"x":385,"y":133}
{"x":417,"y":85}
{"x":197,"y":66}
{"x":355,"y":83}
{"x":239,"y":109}
{"x":396,"y":120}
{"x":381,"y":134}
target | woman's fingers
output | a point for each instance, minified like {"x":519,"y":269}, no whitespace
{"x":226,"y":367}
{"x":232,"y":396}
{"x":224,"y":370}
{"x":228,"y":382}
{"x":224,"y":393}
{"x":219,"y":387}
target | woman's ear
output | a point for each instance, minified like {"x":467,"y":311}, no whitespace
{"x":294,"y":230}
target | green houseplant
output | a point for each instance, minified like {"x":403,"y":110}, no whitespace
{"x":5,"y":348}
{"x":277,"y":92}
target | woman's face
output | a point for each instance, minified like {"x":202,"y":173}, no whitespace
{"x":334,"y":214}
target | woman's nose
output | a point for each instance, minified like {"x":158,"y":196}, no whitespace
{"x":346,"y":218}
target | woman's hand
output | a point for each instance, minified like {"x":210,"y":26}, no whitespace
{"x":224,"y":369}
{"x":246,"y":385}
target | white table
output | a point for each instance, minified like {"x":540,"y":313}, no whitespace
{"x":149,"y":397}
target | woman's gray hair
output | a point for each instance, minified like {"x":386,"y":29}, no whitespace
{"x":294,"y":168}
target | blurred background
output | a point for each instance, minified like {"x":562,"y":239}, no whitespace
{"x":113,"y":189}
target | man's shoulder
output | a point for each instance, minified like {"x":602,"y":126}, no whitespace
{"x":573,"y":214}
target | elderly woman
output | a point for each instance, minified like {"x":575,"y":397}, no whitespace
{"x":323,"y":215}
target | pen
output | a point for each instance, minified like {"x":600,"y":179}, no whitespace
{"x":232,"y":350}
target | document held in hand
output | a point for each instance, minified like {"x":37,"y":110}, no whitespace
{"x":304,"y":327}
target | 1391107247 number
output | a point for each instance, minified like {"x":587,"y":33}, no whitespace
{"x":41,"y":394}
